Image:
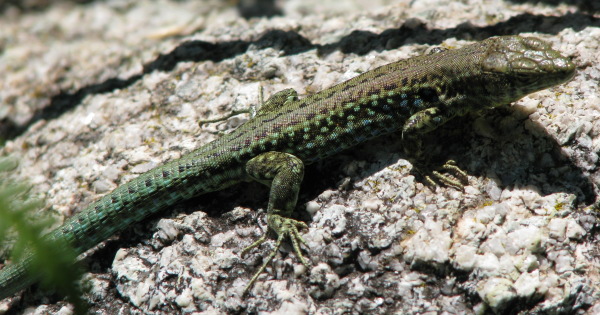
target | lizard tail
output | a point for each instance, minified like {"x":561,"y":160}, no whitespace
{"x":15,"y":277}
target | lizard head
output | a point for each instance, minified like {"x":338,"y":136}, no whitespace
{"x":525,"y":65}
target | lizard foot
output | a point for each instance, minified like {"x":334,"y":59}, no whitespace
{"x":284,"y":227}
{"x":449,"y":166}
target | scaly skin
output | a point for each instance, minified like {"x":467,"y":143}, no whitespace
{"x":414,"y":96}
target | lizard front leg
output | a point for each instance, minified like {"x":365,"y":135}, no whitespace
{"x":283,"y":173}
{"x":423,"y":122}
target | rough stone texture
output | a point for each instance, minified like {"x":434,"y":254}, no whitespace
{"x":92,"y":95}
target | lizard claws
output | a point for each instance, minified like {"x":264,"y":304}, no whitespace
{"x":284,"y":227}
{"x":450,"y":166}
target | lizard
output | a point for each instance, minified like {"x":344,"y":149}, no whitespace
{"x":412,"y":96}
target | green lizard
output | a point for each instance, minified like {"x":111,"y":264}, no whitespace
{"x":413,"y":96}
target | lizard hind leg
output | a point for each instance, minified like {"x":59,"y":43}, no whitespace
{"x":274,"y":102}
{"x":282,"y":172}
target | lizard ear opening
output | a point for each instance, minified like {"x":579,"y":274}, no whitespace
{"x":495,"y":63}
